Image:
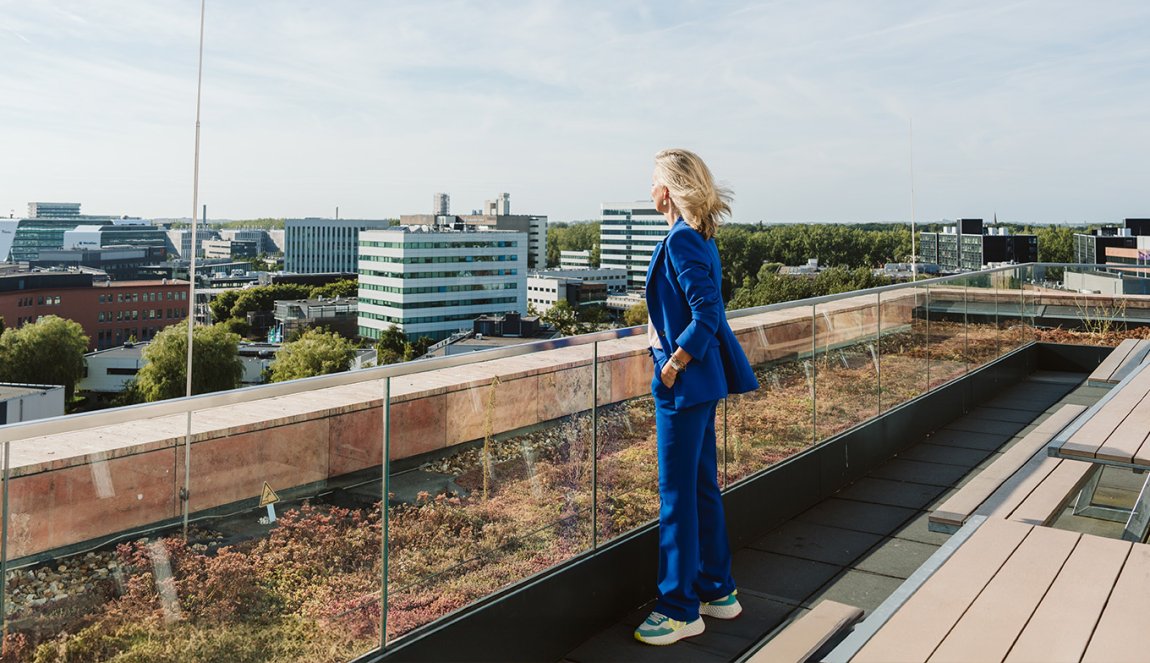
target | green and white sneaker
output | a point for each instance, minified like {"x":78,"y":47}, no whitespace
{"x":725,"y":608}
{"x":659,"y":629}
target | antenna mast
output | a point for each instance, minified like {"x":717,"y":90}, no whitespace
{"x":185,"y":494}
{"x":913,"y":251}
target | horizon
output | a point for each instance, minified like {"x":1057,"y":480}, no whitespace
{"x":1029,"y":110}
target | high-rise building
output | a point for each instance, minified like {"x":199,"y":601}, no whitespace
{"x":441,"y":205}
{"x":628,"y":234}
{"x":433,"y":282}
{"x":317,"y":246}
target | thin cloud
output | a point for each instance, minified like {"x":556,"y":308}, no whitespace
{"x":803,"y":107}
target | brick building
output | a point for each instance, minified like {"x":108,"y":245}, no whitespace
{"x":111,"y":312}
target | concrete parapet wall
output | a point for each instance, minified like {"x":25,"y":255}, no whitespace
{"x":79,"y":486}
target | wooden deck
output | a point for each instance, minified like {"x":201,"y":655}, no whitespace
{"x":1017,"y":592}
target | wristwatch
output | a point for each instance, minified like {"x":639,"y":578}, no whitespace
{"x":676,"y":364}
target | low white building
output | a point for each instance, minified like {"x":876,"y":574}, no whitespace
{"x":575,"y":259}
{"x":580,"y":287}
{"x":25,"y":402}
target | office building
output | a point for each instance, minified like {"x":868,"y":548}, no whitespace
{"x":110,"y":312}
{"x":575,"y":259}
{"x":120,"y":263}
{"x":532,"y":225}
{"x":433,"y":282}
{"x":53,"y":210}
{"x":628,"y":234}
{"x":180,"y":241}
{"x":441,"y":205}
{"x":264,"y":240}
{"x":1091,"y":248}
{"x":314,"y":246}
{"x":294,"y":316}
{"x":223,"y":249}
{"x":580,"y":287}
{"x":969,"y":246}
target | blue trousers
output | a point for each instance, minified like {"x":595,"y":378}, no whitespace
{"x":694,"y":555}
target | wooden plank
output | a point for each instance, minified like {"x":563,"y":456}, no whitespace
{"x":961,"y":505}
{"x":1064,"y":621}
{"x":992,"y":623}
{"x":1121,"y":634}
{"x":1015,"y":490}
{"x":1136,"y":356}
{"x":1123,"y":444}
{"x":804,"y":636}
{"x":923,"y":621}
{"x":1112,"y":362}
{"x":1046,"y":501}
{"x":1094,"y":432}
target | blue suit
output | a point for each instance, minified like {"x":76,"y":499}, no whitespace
{"x":685,"y":304}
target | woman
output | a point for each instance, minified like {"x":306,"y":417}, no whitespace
{"x":697,"y":362}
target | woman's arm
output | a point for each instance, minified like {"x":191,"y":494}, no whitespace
{"x":689,"y":255}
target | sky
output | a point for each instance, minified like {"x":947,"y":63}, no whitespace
{"x":810,"y":110}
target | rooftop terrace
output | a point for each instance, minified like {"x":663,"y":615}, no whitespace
{"x":521,"y":487}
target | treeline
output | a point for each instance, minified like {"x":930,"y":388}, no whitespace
{"x":746,"y":248}
{"x":576,"y":236}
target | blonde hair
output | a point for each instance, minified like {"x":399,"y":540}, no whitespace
{"x":693,"y":190}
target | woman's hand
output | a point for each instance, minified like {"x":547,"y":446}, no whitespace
{"x":668,"y":375}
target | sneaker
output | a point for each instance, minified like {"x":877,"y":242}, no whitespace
{"x":725,"y":608}
{"x":659,"y":629}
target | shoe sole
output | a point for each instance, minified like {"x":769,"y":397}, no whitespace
{"x":689,"y":631}
{"x":721,"y":611}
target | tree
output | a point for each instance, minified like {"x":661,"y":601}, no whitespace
{"x":342,"y":288}
{"x":48,"y":351}
{"x":216,"y":363}
{"x":636,"y":315}
{"x":1055,"y":243}
{"x":221,"y":305}
{"x":580,"y":236}
{"x":391,"y":340}
{"x":317,"y":352}
{"x":562,"y":317}
{"x":264,"y":297}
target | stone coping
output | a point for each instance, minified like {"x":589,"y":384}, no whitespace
{"x":145,"y":434}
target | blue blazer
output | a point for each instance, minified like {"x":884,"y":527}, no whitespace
{"x":685,"y":303}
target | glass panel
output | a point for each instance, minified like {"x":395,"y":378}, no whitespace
{"x":903,"y":349}
{"x":1030,"y":289}
{"x":627,"y":492}
{"x":846,"y":370}
{"x":984,"y":303}
{"x":775,"y":421}
{"x":1014,"y":330}
{"x":89,"y":514}
{"x":946,"y":314}
{"x":507,"y":493}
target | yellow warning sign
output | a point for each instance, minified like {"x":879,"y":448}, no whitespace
{"x":268,"y":496}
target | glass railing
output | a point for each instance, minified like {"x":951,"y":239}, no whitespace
{"x":321,"y":519}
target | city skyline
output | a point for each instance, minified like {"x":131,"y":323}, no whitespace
{"x":1029,"y":110}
